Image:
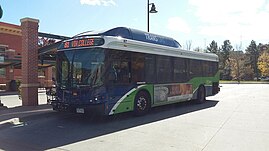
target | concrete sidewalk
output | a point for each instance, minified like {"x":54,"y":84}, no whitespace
{"x":11,"y":99}
{"x":21,"y":111}
{"x":11,"y":109}
{"x":4,"y":93}
{"x":13,"y":114}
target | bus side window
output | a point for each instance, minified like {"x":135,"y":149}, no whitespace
{"x":180,"y":70}
{"x":113,"y":75}
{"x":124,"y":72}
{"x":164,"y":70}
{"x":119,"y":72}
{"x":195,"y":68}
{"x":138,"y":66}
{"x":150,"y":69}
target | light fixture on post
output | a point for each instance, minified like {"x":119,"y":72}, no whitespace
{"x":152,"y":10}
{"x":1,"y":12}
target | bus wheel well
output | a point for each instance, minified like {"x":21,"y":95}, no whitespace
{"x":145,"y":92}
{"x":142,"y":102}
{"x":203,"y":86}
{"x":201,"y":94}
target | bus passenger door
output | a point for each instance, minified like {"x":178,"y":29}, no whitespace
{"x":119,"y":76}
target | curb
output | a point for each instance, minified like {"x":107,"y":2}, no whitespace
{"x":2,"y":107}
{"x":9,"y":123}
{"x":23,"y":111}
{"x":3,"y":93}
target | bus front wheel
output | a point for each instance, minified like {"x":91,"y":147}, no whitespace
{"x":142,"y":103}
{"x":201,"y":95}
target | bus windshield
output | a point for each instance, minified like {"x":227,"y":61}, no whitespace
{"x":81,"y":67}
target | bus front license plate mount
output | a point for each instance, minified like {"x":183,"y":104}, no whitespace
{"x":80,"y":110}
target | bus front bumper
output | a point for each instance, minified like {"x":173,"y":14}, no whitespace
{"x":98,"y":109}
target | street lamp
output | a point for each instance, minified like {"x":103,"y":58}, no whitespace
{"x":152,"y":10}
{"x":1,"y":12}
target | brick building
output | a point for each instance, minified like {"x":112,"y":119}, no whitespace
{"x":11,"y":54}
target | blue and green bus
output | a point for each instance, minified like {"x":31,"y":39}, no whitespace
{"x":122,"y":70}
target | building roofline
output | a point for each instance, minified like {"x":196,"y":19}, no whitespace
{"x":10,"y":25}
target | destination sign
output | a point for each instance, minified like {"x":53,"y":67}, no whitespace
{"x":85,"y":42}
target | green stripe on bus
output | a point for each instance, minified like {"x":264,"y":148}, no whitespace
{"x":127,"y":103}
{"x":197,"y":81}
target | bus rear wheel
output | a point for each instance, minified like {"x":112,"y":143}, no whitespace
{"x":201,"y":95}
{"x":142,"y":103}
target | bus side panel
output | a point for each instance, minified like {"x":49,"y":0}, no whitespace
{"x":206,"y":81}
{"x":126,"y":103}
{"x":171,"y":93}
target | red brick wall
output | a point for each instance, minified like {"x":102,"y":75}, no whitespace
{"x":29,"y":52}
{"x":10,"y":35}
{"x":13,"y":42}
{"x":29,"y":62}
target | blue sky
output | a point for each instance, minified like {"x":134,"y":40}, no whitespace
{"x":198,"y":21}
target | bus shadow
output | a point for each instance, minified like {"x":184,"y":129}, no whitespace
{"x":55,"y":129}
{"x":162,"y":112}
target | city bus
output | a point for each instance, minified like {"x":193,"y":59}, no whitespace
{"x":123,"y":69}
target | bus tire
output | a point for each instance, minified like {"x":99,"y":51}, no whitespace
{"x":142,"y":103}
{"x":201,"y":94}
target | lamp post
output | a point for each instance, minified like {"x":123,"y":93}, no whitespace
{"x":152,"y":10}
{"x":1,"y":12}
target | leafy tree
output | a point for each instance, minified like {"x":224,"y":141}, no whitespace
{"x":236,"y":64}
{"x":253,"y":53}
{"x":262,"y":47}
{"x":248,"y":73}
{"x":239,"y":69}
{"x":263,"y":63}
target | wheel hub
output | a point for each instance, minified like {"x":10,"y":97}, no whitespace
{"x":142,"y":103}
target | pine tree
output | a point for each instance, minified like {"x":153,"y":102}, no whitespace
{"x":253,"y":54}
{"x":225,"y":69}
{"x":213,"y":47}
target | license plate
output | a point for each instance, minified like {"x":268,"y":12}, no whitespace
{"x":80,"y":110}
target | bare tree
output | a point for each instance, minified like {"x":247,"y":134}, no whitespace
{"x":199,"y":49}
{"x":188,"y":44}
{"x":237,"y":57}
